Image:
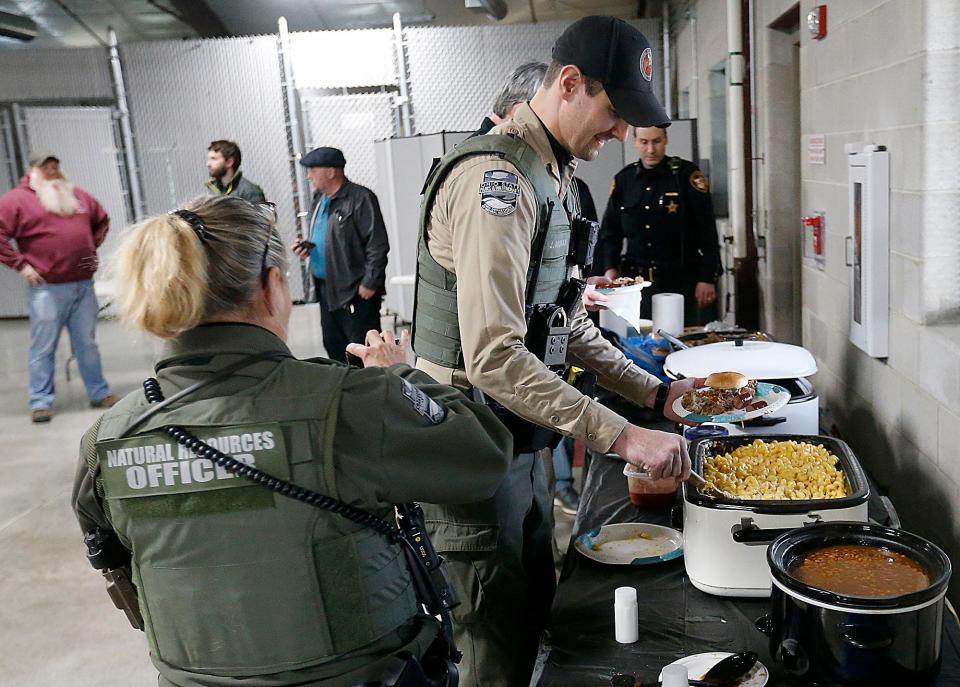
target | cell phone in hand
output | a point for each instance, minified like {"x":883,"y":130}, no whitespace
{"x":308,"y":245}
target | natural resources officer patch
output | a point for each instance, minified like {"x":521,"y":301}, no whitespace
{"x":154,"y":465}
{"x":499,"y":192}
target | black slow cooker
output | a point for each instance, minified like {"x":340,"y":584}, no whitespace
{"x":841,"y":640}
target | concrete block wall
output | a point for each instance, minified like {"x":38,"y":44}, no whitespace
{"x":711,"y":46}
{"x":888,"y":73}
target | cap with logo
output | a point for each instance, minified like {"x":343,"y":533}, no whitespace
{"x":38,"y":157}
{"x":324,"y":157}
{"x":620,"y":57}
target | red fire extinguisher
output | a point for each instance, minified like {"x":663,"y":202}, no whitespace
{"x":815,"y":222}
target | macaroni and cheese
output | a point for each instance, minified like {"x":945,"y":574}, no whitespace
{"x":777,"y":470}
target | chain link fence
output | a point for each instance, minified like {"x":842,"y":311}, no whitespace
{"x":456,"y":71}
{"x":184,"y":94}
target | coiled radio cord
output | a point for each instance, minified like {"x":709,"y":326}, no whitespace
{"x":151,"y":389}
{"x":433,"y":590}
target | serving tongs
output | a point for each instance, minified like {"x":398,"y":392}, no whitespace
{"x":706,"y":488}
{"x":672,"y":339}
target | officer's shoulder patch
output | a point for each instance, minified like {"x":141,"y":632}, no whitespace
{"x":699,"y":181}
{"x":422,"y":403}
{"x":499,"y":192}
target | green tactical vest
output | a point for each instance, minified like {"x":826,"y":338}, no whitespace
{"x":236,"y":580}
{"x":436,"y":328}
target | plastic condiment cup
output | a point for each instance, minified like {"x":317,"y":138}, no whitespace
{"x":674,"y":675}
{"x":647,"y":492}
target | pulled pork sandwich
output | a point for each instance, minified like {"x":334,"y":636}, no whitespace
{"x":722,"y":394}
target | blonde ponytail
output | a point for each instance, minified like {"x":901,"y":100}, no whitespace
{"x":162,"y":267}
{"x":168,"y":280}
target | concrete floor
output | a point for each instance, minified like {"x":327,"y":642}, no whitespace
{"x":57,"y":624}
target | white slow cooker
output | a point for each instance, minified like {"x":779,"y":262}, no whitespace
{"x":779,"y":363}
{"x":725,"y":541}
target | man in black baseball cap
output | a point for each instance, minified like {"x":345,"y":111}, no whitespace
{"x":599,"y":81}
{"x":617,"y":55}
{"x":481,"y":205}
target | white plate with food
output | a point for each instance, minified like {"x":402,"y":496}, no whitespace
{"x":630,"y":543}
{"x":623,"y":298}
{"x":730,"y":397}
{"x":620,"y":285}
{"x":698,"y":665}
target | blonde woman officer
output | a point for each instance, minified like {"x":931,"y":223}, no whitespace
{"x":238,"y":584}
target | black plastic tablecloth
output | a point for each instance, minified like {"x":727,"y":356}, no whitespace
{"x":676,"y":619}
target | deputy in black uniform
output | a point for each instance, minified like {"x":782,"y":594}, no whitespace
{"x":661,"y":206}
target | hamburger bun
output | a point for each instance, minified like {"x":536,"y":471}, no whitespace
{"x":727,"y":380}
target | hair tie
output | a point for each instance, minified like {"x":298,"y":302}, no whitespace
{"x":196,"y":223}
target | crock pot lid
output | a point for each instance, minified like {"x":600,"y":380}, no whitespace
{"x":756,"y":359}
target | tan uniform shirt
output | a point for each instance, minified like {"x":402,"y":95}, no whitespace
{"x":490,"y":254}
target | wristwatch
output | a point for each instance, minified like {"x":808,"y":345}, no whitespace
{"x":660,"y":402}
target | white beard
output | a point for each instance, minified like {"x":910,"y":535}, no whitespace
{"x":55,"y":195}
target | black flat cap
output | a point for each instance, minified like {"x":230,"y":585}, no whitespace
{"x":620,"y":57}
{"x":324,"y":157}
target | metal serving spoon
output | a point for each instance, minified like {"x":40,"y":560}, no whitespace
{"x":700,"y":483}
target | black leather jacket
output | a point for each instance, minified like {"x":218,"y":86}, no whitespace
{"x":356,"y":243}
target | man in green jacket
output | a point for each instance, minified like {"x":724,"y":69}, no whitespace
{"x":226,"y":179}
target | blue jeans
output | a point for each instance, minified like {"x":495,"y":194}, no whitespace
{"x":563,"y":463}
{"x":52,"y":307}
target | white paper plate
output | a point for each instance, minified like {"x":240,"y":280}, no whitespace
{"x":630,"y":543}
{"x":774,"y":394}
{"x":698,"y":665}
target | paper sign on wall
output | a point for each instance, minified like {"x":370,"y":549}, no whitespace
{"x":817,"y":149}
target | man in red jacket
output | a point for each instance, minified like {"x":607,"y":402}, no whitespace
{"x":57,"y":228}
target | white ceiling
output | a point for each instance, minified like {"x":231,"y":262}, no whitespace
{"x":140,"y":20}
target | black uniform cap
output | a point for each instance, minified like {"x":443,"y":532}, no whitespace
{"x":620,"y":57}
{"x":324,"y":157}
